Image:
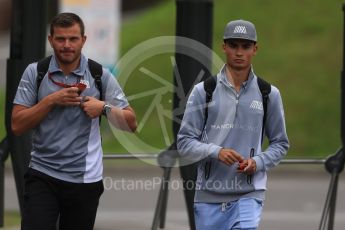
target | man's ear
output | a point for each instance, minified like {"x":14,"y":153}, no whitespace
{"x":256,"y":47}
{"x":84,"y":39}
{"x":223,"y":46}
{"x":50,"y":39}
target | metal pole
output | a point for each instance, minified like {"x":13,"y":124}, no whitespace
{"x":325,"y":217}
{"x":4,"y":150}
{"x":159,"y":215}
{"x":342,"y":113}
{"x":303,"y":161}
{"x":194,"y":19}
{"x":124,"y":156}
{"x":333,"y":203}
{"x":28,"y":36}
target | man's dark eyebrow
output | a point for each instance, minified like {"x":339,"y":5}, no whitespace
{"x":240,"y":43}
{"x":67,"y":37}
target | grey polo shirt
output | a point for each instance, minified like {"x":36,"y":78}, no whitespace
{"x":67,"y":143}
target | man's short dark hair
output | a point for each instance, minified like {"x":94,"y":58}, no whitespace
{"x":66,"y":20}
{"x":227,"y":41}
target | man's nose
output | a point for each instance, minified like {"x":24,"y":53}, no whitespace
{"x":67,"y":43}
{"x":239,"y":51}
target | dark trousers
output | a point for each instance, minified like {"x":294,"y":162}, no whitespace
{"x":47,"y":199}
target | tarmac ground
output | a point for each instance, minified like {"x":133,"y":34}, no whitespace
{"x":294,"y":200}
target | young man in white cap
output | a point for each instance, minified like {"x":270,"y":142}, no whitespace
{"x":226,"y":137}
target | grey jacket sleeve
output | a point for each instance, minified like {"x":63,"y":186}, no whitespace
{"x":191,"y":141}
{"x":276,"y":132}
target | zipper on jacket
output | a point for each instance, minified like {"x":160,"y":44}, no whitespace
{"x":207,"y":169}
{"x":249,"y":177}
{"x":236,"y":102}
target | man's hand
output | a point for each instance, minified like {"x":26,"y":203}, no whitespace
{"x":247,"y":166}
{"x":66,"y":97}
{"x":92,"y":106}
{"x":229,"y":156}
{"x":25,"y":118}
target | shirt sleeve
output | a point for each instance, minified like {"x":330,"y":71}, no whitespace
{"x":113,"y":93}
{"x":27,"y":88}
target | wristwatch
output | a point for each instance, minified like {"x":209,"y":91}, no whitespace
{"x":106,"y":109}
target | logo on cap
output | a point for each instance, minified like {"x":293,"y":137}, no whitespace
{"x":240,"y":30}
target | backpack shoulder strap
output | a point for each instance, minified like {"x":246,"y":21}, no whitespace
{"x":42,"y":69}
{"x":96,"y":71}
{"x":265,"y":89}
{"x":209,"y":86}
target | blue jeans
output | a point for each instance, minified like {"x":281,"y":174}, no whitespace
{"x":244,"y":213}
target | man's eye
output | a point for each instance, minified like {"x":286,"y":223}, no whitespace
{"x":74,"y":39}
{"x":232,"y":45}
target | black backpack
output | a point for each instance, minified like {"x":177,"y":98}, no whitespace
{"x":95,"y":69}
{"x":265,"y":89}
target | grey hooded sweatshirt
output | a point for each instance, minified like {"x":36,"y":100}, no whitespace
{"x":234,"y":121}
